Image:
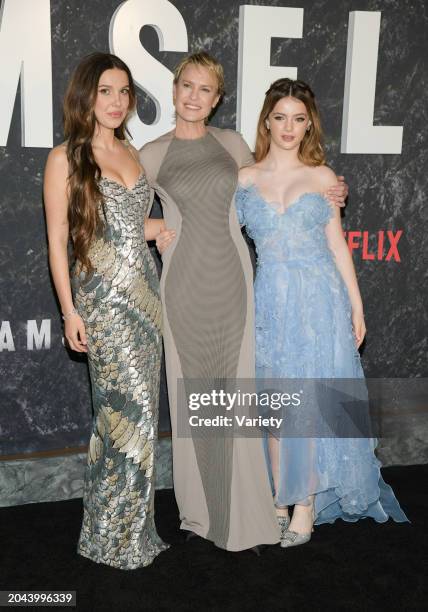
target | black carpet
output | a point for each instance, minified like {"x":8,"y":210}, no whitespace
{"x":360,"y":566}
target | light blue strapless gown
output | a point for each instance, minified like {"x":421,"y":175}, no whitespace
{"x":304,"y":330}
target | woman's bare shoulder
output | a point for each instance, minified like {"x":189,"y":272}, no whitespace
{"x":249,"y":175}
{"x":59,"y":152}
{"x":57,"y":159}
{"x":324,"y":176}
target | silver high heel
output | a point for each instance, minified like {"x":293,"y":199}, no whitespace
{"x":292,"y":538}
{"x":284,"y":523}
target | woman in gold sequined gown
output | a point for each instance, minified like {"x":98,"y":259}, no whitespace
{"x":96,"y":190}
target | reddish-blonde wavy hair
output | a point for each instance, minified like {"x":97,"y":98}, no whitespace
{"x":79,"y":126}
{"x":311,"y":151}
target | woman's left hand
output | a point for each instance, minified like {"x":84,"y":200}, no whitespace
{"x":359,"y":326}
{"x":338,"y":193}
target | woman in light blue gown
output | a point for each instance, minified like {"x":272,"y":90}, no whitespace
{"x":309,"y":314}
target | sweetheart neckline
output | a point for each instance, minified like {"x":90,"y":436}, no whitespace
{"x":140,"y":176}
{"x":271,"y":205}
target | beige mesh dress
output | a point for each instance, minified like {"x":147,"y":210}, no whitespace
{"x":221,"y":483}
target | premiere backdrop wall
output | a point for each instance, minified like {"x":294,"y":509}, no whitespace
{"x":45,"y":397}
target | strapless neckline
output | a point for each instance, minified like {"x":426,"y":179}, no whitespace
{"x":274,"y":205}
{"x":124,"y":187}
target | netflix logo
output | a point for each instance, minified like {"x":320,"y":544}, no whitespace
{"x":379,"y":246}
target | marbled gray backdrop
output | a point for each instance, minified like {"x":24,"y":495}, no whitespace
{"x":45,"y":402}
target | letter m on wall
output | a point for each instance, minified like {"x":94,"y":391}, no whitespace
{"x":25,"y":53}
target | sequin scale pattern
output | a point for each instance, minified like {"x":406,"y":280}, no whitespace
{"x":120,"y":305}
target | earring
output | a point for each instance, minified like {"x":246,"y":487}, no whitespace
{"x":309,"y":127}
{"x":267,"y":125}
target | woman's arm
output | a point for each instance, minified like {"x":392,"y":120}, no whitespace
{"x":345,"y":265}
{"x":343,"y":258}
{"x":56,"y":206}
{"x":153,"y":227}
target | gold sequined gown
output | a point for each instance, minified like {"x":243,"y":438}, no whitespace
{"x":120,"y":305}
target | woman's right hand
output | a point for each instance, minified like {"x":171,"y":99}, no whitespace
{"x":359,"y":326}
{"x":75,"y":334}
{"x":164,"y":239}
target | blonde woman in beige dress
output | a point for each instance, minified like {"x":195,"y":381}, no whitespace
{"x":221,"y":483}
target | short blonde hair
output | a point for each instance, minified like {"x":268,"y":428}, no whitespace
{"x":204,"y":60}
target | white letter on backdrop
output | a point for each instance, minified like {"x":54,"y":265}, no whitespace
{"x":6,"y":338}
{"x":25,"y":51}
{"x":359,"y":135}
{"x":149,"y":74}
{"x":257,"y":26}
{"x":38,"y":338}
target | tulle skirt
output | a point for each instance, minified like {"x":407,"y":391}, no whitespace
{"x":304,"y":331}
{"x":343,"y":474}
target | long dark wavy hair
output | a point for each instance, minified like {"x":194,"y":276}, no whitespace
{"x":311,"y":151}
{"x":79,"y":126}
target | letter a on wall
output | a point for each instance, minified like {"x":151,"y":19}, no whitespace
{"x":25,"y":53}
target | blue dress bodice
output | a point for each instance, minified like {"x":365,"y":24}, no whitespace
{"x":295,"y":235}
{"x":303,"y":314}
